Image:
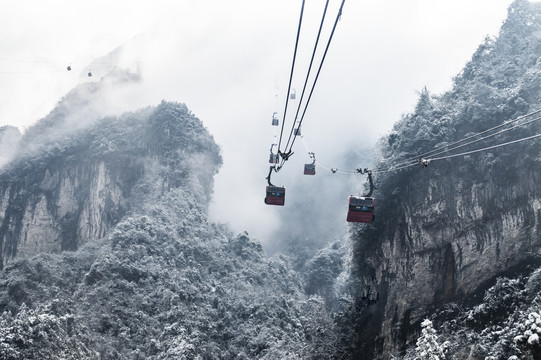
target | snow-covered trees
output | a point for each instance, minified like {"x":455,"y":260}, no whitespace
{"x":164,"y":283}
{"x":428,"y":346}
{"x":505,"y":324}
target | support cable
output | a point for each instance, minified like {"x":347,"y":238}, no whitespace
{"x":291,"y":76}
{"x":319,"y":70}
{"x":483,"y":149}
{"x":308,"y":73}
{"x":443,"y":149}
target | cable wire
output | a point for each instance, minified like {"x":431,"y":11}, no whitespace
{"x":319,"y":70}
{"x":291,"y":75}
{"x":308,"y":73}
{"x":483,"y":149}
{"x":443,"y":149}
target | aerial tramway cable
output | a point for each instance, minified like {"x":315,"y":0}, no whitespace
{"x":308,"y":74}
{"x":291,"y":78}
{"x":483,"y":149}
{"x":414,"y":161}
{"x":318,"y":72}
{"x":445,"y":148}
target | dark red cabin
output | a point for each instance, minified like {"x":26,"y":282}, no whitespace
{"x":276,"y":195}
{"x":309,"y":169}
{"x":361,"y":209}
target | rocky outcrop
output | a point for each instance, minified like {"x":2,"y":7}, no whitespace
{"x":60,"y":208}
{"x":444,"y":231}
{"x":70,"y":188}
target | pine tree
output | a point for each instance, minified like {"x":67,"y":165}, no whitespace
{"x":428,"y":347}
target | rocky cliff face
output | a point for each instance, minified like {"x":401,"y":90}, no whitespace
{"x":73,"y":183}
{"x":445,"y":230}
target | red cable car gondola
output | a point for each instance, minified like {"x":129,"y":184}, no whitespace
{"x":361,"y":208}
{"x":276,"y":195}
{"x":310,"y":169}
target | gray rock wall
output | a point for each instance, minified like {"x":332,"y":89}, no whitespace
{"x":61,"y":209}
{"x":451,"y":237}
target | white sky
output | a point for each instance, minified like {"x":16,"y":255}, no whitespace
{"x":228,"y":59}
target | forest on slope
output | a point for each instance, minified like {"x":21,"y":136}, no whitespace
{"x":443,"y":232}
{"x":162,"y":282}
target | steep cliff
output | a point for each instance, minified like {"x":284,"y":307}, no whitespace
{"x":445,"y":230}
{"x":75,"y":174}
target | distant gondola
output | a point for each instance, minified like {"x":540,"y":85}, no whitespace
{"x":309,"y":169}
{"x":274,"y":158}
{"x":293,"y":94}
{"x":274,"y":119}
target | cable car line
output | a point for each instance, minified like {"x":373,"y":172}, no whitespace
{"x":443,"y":149}
{"x":437,"y":151}
{"x":319,"y":70}
{"x":486,"y":137}
{"x":422,"y":159}
{"x":483,"y":149}
{"x":333,"y":170}
{"x":290,"y":78}
{"x":484,"y":132}
{"x":308,"y":72}
{"x":425,"y":161}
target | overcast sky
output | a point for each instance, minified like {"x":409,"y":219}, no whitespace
{"x":229,"y":61}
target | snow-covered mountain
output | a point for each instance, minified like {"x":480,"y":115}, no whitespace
{"x":107,"y":252}
{"x":444,"y":231}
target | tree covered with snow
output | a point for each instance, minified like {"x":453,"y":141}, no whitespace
{"x":428,"y":346}
{"x":503,"y":322}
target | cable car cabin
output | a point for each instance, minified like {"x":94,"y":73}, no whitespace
{"x":276,"y":195}
{"x":274,"y":119}
{"x":293,"y":94}
{"x":309,"y":169}
{"x":298,"y":131}
{"x":361,"y":209}
{"x":274,"y":159}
